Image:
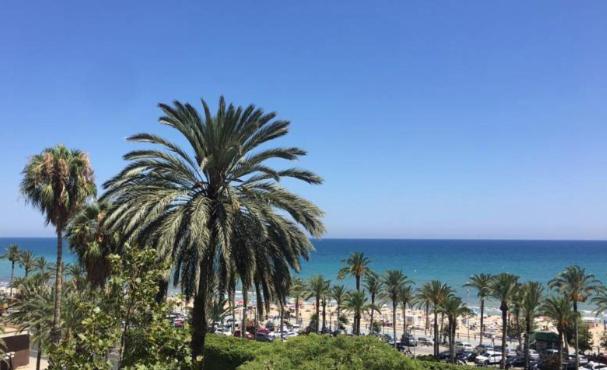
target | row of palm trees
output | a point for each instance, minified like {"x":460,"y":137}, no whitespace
{"x":523,"y":301}
{"x":526,"y":301}
{"x":24,"y":259}
{"x":214,"y":208}
{"x":372,"y":290}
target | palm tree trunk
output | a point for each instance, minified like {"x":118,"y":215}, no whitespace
{"x":233,"y":308}
{"x":560,"y":350}
{"x":527,"y":332}
{"x":199,"y":311}
{"x":394,"y":321}
{"x":317,"y":314}
{"x":451,"y":341}
{"x":38,"y":356}
{"x":427,"y":326}
{"x":282,"y":319}
{"x":296,"y":310}
{"x":56,"y":331}
{"x":12,"y":276}
{"x":245,"y":302}
{"x":435,"y":333}
{"x":357,"y":283}
{"x":482,"y":322}
{"x":504,"y":326}
{"x":324,"y":314}
{"x":372,"y":312}
{"x":404,"y":319}
{"x":338,"y":309}
{"x":575,"y":330}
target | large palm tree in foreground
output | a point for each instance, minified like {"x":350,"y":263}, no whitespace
{"x":12,"y":254}
{"x":482,"y":284}
{"x":185,"y":201}
{"x":394,"y":281}
{"x":577,"y":286}
{"x":503,"y":287}
{"x":58,"y":182}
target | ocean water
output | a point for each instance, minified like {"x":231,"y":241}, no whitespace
{"x":451,"y":261}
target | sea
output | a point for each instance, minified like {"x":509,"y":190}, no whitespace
{"x":451,"y":261}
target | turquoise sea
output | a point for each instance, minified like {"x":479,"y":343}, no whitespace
{"x":452,"y":261}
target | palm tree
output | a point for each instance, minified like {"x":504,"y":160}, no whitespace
{"x":356,"y":266}
{"x":435,"y":292}
{"x":453,"y":308}
{"x":12,"y":254}
{"x":502,"y":289}
{"x":374,"y":286}
{"x":33,"y":311}
{"x":58,"y":182}
{"x":558,"y":309}
{"x":92,"y":241}
{"x":26,"y":262}
{"x":41,"y":265}
{"x":317,"y":288}
{"x":298,"y":290}
{"x":338,"y":293}
{"x":482,"y":284}
{"x":325,"y":296}
{"x":394,"y":281}
{"x":577,"y":286}
{"x":357,"y":303}
{"x":406,"y":297}
{"x":531,"y":301}
{"x":186,"y":205}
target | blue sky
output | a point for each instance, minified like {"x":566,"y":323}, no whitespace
{"x":427,"y":119}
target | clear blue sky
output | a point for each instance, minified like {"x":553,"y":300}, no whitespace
{"x":466,"y":119}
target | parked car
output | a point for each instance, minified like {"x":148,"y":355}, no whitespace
{"x":488,"y":358}
{"x":466,"y":356}
{"x":425,"y":341}
{"x":263,"y":337}
{"x":409,"y":340}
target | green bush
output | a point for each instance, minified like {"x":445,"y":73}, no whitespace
{"x":227,"y":353}
{"x":311,"y":352}
{"x":323,"y":352}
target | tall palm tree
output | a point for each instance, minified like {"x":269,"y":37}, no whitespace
{"x":356,"y":265}
{"x":324,"y":298}
{"x":357,"y":303}
{"x":453,"y":308}
{"x":482,"y":284}
{"x":92,"y":241}
{"x":406,"y":298}
{"x":338,"y":294}
{"x":531,"y":301}
{"x":317,"y":288}
{"x":558,"y":309}
{"x":12,"y":254}
{"x":502,"y":288}
{"x":297,"y":292}
{"x":184,"y":201}
{"x":58,"y":182}
{"x":394,"y":281}
{"x":26,"y":262}
{"x":435,"y":292}
{"x":577,"y":286}
{"x":374,"y":285}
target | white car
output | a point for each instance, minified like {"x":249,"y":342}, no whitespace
{"x":533,"y":354}
{"x":488,"y":358}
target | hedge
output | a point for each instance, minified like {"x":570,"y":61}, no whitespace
{"x":311,"y":352}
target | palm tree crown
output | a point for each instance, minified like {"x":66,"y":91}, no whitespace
{"x":356,"y":265}
{"x":186,"y":202}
